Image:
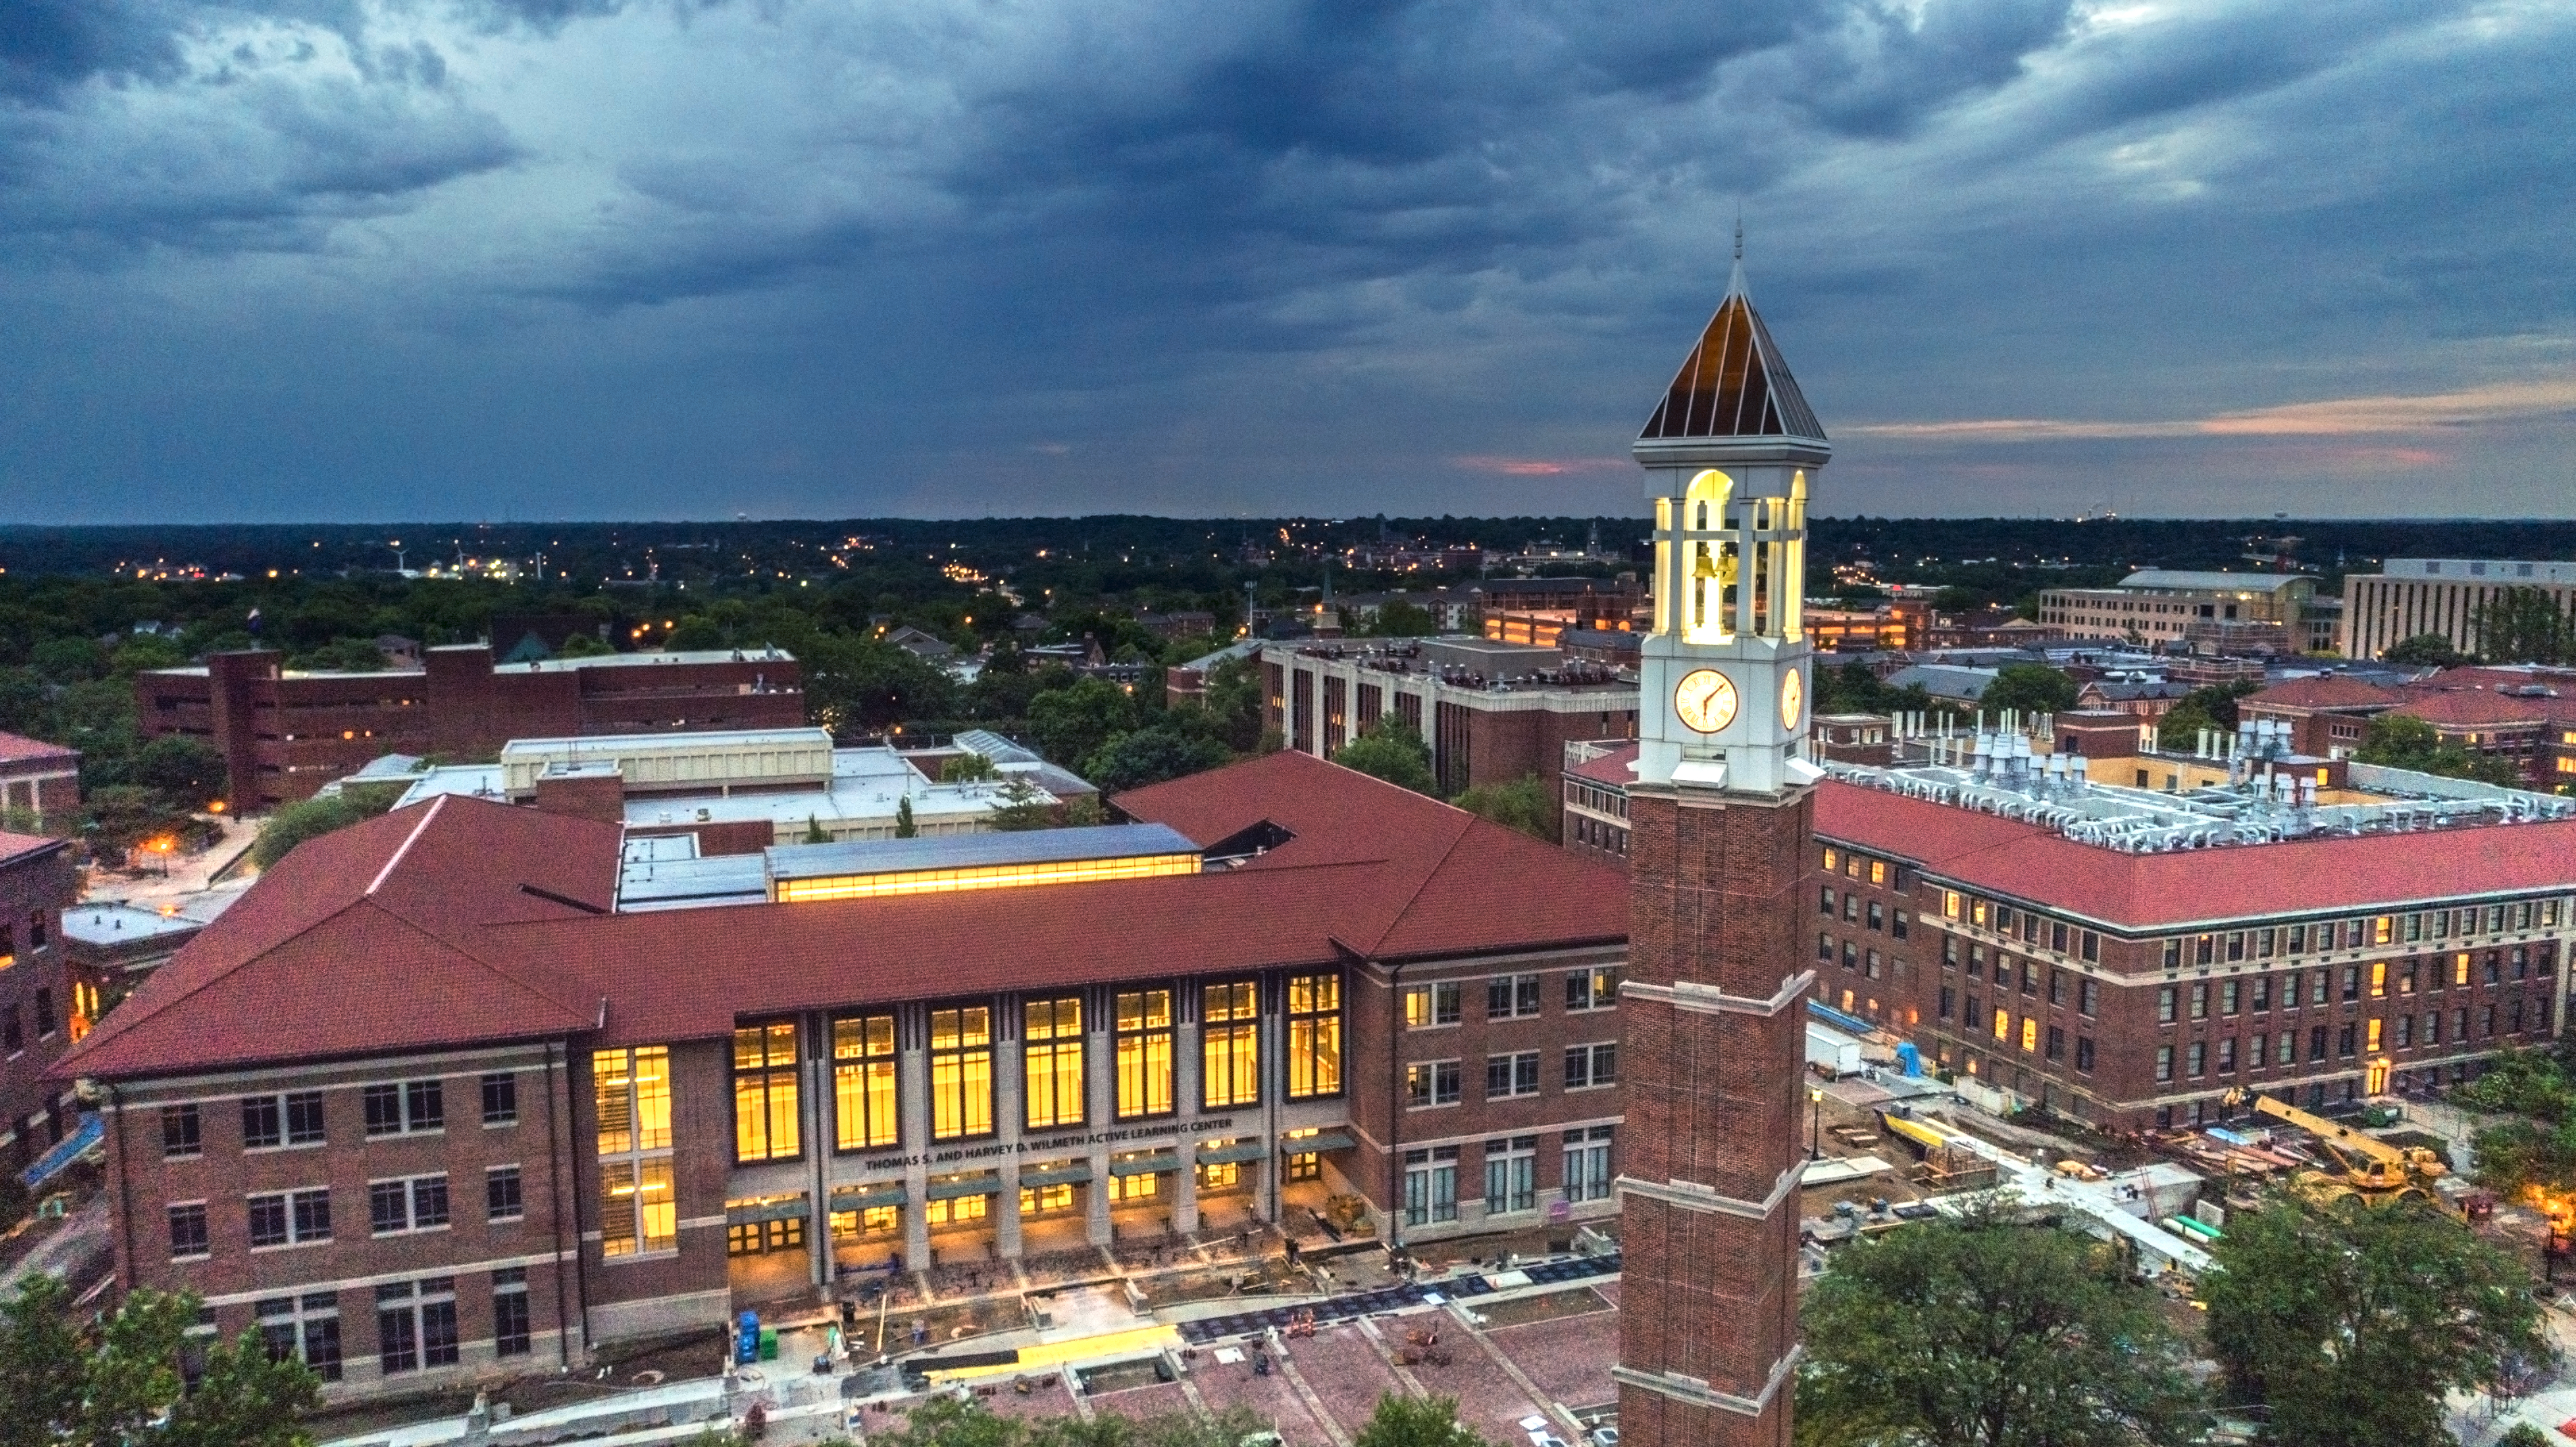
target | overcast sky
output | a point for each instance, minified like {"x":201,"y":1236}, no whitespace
{"x":362,"y":259}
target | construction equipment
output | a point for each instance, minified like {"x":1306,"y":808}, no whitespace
{"x":2363,"y":1166}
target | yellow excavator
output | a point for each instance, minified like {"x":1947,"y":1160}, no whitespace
{"x":2354,"y":1164}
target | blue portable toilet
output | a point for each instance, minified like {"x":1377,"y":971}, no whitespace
{"x":746,"y":1339}
{"x":1910,"y":1058}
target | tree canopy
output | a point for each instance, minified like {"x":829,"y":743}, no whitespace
{"x":2031,"y":688}
{"x":2351,"y":1323}
{"x":1520,"y":804}
{"x":59,"y":1388}
{"x":1389,"y":749}
{"x":2424,"y":650}
{"x":1986,"y":1332}
{"x":2524,"y":625}
{"x":2405,"y":742}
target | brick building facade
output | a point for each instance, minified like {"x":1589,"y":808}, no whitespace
{"x":39,"y":995}
{"x":1349,"y":989}
{"x":39,"y":785}
{"x":284,"y":733}
{"x":1491,"y":713}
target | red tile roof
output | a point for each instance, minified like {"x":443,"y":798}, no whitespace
{"x":2036,"y":865}
{"x":2472,"y":706}
{"x":17,"y":748}
{"x":445,"y":923}
{"x":14,"y":847}
{"x":2327,"y":691}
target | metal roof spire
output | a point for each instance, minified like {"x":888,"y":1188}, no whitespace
{"x":1734,"y":383}
{"x":1735,"y":279}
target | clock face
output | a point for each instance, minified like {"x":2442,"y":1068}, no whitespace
{"x":1793,"y":699}
{"x":1705,"y":700}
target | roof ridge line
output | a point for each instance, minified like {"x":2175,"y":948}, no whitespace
{"x":404,"y":848}
{"x":1469,"y":821}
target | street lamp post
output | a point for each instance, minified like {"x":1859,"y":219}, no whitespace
{"x":1815,"y":1123}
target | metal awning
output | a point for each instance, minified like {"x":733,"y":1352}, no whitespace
{"x":91,"y":1130}
{"x":986,"y":1184}
{"x":1061,"y":1173}
{"x":1145,"y":1165}
{"x":1331,"y":1140}
{"x":1248,"y":1149}
{"x":859,"y":1198}
{"x":755,"y":1213}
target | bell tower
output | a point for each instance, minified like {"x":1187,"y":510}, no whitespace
{"x":1720,"y":836}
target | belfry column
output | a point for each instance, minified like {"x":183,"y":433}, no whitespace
{"x":1720,"y":831}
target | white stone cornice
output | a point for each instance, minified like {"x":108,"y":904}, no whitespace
{"x":1692,"y":1196}
{"x":1699,"y":1393}
{"x":1709,"y":1000}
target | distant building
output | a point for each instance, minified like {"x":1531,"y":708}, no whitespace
{"x":527,"y":637}
{"x":2523,"y":716}
{"x":743,"y":791}
{"x":115,"y":945}
{"x":1491,"y":712}
{"x":1534,"y":611}
{"x":285,"y":732}
{"x":1947,"y":683}
{"x":41,"y":1010}
{"x":2149,"y":698}
{"x":39,"y":785}
{"x":2225,"y":612}
{"x":1891,"y":626}
{"x":2410,"y":597}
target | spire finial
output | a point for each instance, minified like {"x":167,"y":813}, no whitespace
{"x":1739,"y":236}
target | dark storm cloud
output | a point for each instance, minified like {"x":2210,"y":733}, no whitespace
{"x":609,"y":256}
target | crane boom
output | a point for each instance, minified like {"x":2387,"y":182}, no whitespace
{"x":2378,"y":1159}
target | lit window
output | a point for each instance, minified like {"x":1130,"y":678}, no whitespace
{"x":961,"y":1072}
{"x":1053,"y":1061}
{"x":1230,"y":1044}
{"x":863,"y":1083}
{"x":1144,"y":1045}
{"x":1315,"y":1036}
{"x":2003,"y":1024}
{"x":764,"y":1093}
{"x":2029,"y":1033}
{"x":638,"y":1211}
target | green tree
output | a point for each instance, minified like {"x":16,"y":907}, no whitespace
{"x":144,"y":651}
{"x":185,"y":772}
{"x":344,"y":655}
{"x":853,"y":683}
{"x":965,"y":768}
{"x":1233,"y":702}
{"x":695,"y":633}
{"x":1984,"y":1332}
{"x":1402,"y":1421}
{"x":1392,"y":751}
{"x":1022,"y":806}
{"x":2424,"y":650}
{"x":1400,"y":619}
{"x":2033,"y":688}
{"x":2524,"y":625}
{"x":68,"y":660}
{"x":815,"y":833}
{"x":1520,"y":804}
{"x":1070,"y":724}
{"x":2352,"y":1323}
{"x":1167,"y":750}
{"x":904,"y":827}
{"x":2402,"y":741}
{"x":40,"y":1380}
{"x":586,"y":645}
{"x":312,"y":818}
{"x":111,"y":1390}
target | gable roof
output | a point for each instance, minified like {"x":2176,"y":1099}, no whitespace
{"x":18,"y":748}
{"x":2029,"y":862}
{"x":1734,"y":383}
{"x":461,"y":920}
{"x":368,"y":939}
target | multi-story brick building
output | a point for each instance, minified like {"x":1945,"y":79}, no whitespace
{"x":41,"y":1002}
{"x":2137,"y":986}
{"x":39,"y":785}
{"x":1491,"y":712}
{"x":284,"y":733}
{"x":2524,"y":717}
{"x":468,"y":1083}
